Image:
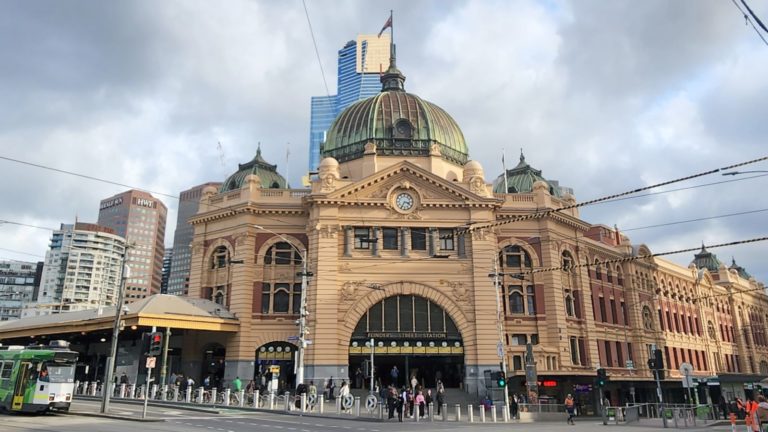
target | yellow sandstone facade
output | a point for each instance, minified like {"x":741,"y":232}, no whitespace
{"x":400,"y":231}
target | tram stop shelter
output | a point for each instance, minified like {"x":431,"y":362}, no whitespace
{"x":198,"y":329}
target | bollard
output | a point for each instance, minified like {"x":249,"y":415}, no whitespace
{"x":470,"y":413}
{"x":431,"y":411}
{"x":493,"y":413}
{"x":175,"y":393}
{"x":303,"y":402}
{"x":381,"y":411}
{"x":113,"y":387}
{"x":271,"y":401}
{"x":505,"y":413}
{"x":445,"y":412}
{"x":482,"y":413}
{"x":213,"y":395}
{"x":287,"y":401}
{"x":153,"y":394}
{"x":227,"y":394}
{"x":256,"y":397}
{"x":122,"y":391}
{"x":458,"y":412}
{"x":201,"y":395}
{"x":85,"y":387}
{"x":321,"y":401}
{"x":415,"y":412}
{"x":132,"y":393}
{"x":242,"y":398}
{"x":357,"y":406}
{"x":338,"y":406}
{"x":92,"y":391}
{"x":188,"y":396}
{"x":164,"y":393}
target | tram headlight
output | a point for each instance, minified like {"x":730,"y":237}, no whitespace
{"x":69,"y":397}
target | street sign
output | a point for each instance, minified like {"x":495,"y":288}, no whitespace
{"x":630,"y":364}
{"x":371,"y":402}
{"x":347,"y":401}
{"x":500,"y":350}
{"x":151,"y":362}
{"x":686,"y":370}
{"x":293,"y":338}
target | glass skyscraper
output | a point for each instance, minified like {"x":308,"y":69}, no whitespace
{"x":360,"y":63}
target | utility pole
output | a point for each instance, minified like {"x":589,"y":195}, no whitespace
{"x":500,"y":326}
{"x":107,"y":385}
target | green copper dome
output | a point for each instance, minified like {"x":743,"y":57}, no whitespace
{"x":267,"y":172}
{"x":399,"y":123}
{"x":741,"y":270}
{"x":706,"y":260}
{"x":521,"y":178}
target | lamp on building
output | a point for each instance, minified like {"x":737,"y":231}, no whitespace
{"x":303,"y":314}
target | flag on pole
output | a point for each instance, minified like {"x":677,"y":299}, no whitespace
{"x":504,"y":166}
{"x":387,"y":25}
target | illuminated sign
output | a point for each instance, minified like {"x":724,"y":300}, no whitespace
{"x":144,"y":202}
{"x":111,"y":203}
{"x":549,"y":383}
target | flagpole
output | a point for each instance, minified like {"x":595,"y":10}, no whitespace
{"x":504,"y":165}
{"x":391,"y":27}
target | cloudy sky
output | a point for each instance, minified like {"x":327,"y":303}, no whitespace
{"x":605,"y":96}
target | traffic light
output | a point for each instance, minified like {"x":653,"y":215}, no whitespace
{"x":602,"y":377}
{"x":155,"y":344}
{"x":501,"y":379}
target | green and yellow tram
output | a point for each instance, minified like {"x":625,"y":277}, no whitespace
{"x":37,"y":378}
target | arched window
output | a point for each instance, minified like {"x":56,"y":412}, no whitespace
{"x":619,"y":277}
{"x":516,"y":300}
{"x":281,"y":287}
{"x":763,"y":367}
{"x":647,"y":318}
{"x":219,"y":297}
{"x":569,"y":305}
{"x":220,"y":257}
{"x":609,"y":274}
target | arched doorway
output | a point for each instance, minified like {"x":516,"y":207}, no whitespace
{"x":275,"y":359}
{"x":213,"y":364}
{"x":410,"y":333}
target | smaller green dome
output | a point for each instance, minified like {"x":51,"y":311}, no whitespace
{"x":521,"y":178}
{"x":741,"y":270}
{"x":270,"y":178}
{"x":706,"y":260}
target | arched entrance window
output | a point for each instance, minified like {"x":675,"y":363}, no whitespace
{"x":412,"y":336}
{"x":281,"y":288}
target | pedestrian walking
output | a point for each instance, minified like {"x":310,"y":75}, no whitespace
{"x":440,"y":397}
{"x":391,"y":402}
{"x":428,"y":399}
{"x":418,"y":404}
{"x":514,"y":408}
{"x":394,"y":374}
{"x":762,"y":411}
{"x":570,"y":409}
{"x":330,"y":388}
{"x":358,"y":378}
{"x":237,"y":385}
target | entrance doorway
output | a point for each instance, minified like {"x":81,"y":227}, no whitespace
{"x":213,"y":365}
{"x":413,"y":334}
{"x":274,"y":367}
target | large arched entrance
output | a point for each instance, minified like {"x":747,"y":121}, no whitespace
{"x":413,"y":335}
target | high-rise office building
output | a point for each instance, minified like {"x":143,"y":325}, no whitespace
{"x":140,"y":219}
{"x":189,"y":203}
{"x":360,"y":64}
{"x":167,"y":259}
{"x":82,"y":270}
{"x":19,"y":281}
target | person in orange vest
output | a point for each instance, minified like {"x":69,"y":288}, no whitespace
{"x":740,"y":411}
{"x":751,"y":412}
{"x":570,"y":408}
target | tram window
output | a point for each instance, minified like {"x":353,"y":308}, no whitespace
{"x":7,"y":368}
{"x":58,"y":374}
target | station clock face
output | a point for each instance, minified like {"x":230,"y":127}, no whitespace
{"x":404,"y":201}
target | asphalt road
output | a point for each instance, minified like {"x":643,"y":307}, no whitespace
{"x":178,"y":420}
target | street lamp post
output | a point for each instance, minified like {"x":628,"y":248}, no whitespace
{"x":106,"y":389}
{"x":302,"y":321}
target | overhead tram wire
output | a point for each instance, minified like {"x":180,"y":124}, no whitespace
{"x":540,"y":214}
{"x":600,"y":200}
{"x":317,"y":51}
{"x":747,"y":19}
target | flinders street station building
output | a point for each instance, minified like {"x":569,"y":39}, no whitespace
{"x":402,"y":235}
{"x":449,"y":268}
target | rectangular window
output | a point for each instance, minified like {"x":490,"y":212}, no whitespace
{"x":362,"y":238}
{"x":613,"y":311}
{"x":534,"y":339}
{"x":574,"y":351}
{"x":620,"y":355}
{"x":265,"y":297}
{"x":390,"y":238}
{"x":517,"y":363}
{"x":608,"y":354}
{"x":630,"y":356}
{"x":519,"y":339}
{"x":601,"y":300}
{"x":624,"y":317}
{"x":418,"y":238}
{"x":531,"y":295}
{"x":582,"y":352}
{"x":446,"y":239}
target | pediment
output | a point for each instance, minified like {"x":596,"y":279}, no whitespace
{"x":431,"y":189}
